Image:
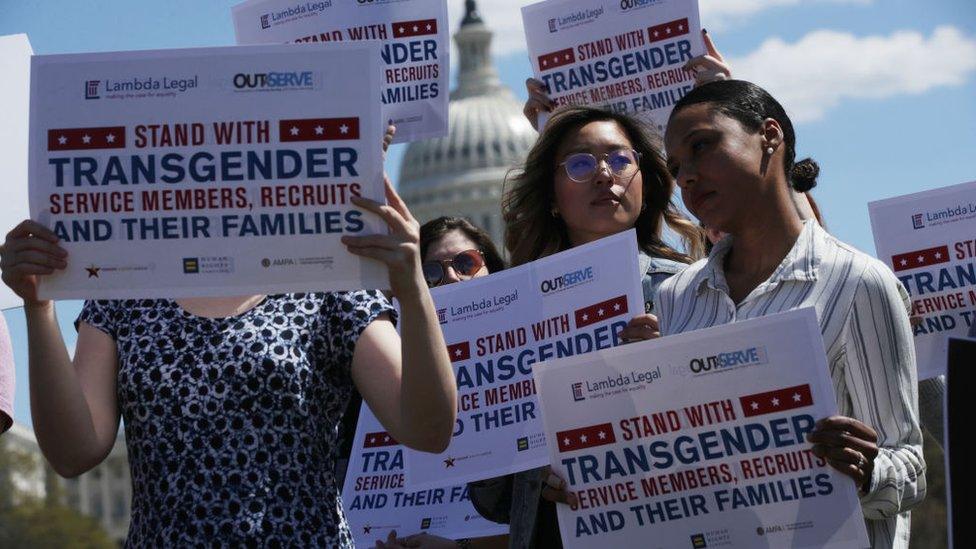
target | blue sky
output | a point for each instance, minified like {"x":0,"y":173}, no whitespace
{"x":883,"y":93}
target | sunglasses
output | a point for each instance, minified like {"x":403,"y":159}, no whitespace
{"x":581,"y":167}
{"x":465,"y":264}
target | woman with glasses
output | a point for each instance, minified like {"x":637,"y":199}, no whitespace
{"x":591,"y":174}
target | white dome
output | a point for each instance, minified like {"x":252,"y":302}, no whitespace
{"x":462,"y":173}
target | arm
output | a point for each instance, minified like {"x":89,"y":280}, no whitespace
{"x":73,"y":405}
{"x":882,"y":380}
{"x":407,"y":380}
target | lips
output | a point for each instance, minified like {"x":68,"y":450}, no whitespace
{"x":697,"y":199}
{"x":606,"y":199}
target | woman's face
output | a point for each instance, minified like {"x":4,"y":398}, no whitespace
{"x":448,"y":246}
{"x":605,"y":204}
{"x":718,"y":165}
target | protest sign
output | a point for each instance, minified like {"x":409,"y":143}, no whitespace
{"x":377,"y":498}
{"x":497,"y":327}
{"x":220,"y":171}
{"x":414,"y":49}
{"x":699,"y":440}
{"x":624,"y":56}
{"x":929,"y":241}
{"x":15,"y":53}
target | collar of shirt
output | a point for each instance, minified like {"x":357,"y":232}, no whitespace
{"x":800,"y":264}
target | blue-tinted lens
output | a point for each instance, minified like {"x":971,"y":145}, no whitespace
{"x":580,"y":166}
{"x":622,"y":161}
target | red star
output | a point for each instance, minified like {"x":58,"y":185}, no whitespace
{"x":92,"y":271}
{"x":449,"y":462}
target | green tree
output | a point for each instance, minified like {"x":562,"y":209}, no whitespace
{"x":27,"y":521}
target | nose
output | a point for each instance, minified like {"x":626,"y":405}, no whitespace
{"x":685,"y":177}
{"x":450,"y":275}
{"x":603,"y":172}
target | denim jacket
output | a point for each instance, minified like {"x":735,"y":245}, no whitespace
{"x":514,"y":499}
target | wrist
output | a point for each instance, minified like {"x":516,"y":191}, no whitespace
{"x":38,"y":307}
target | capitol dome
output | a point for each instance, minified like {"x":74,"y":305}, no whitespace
{"x":462,"y":174}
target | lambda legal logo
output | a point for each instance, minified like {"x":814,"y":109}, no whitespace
{"x":552,"y":25}
{"x":578,"y":392}
{"x":442,"y":315}
{"x":917,"y":221}
{"x":91,"y":89}
{"x":265,"y":23}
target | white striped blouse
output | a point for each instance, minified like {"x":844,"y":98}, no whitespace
{"x":869,"y":347}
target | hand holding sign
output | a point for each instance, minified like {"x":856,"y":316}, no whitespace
{"x":848,"y":445}
{"x":709,"y":67}
{"x":30,"y":250}
{"x":399,"y":250}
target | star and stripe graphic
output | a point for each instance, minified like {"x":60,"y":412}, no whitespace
{"x":789,"y":398}
{"x":83,"y":139}
{"x":409,"y":29}
{"x":585,"y":437}
{"x":666,"y":31}
{"x":920,"y":258}
{"x":379,"y":439}
{"x":459,"y":351}
{"x":598,"y":312}
{"x":557,"y":59}
{"x":318,"y":129}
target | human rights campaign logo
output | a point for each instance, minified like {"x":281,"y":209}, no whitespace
{"x":918,"y":221}
{"x":425,"y":524}
{"x":265,"y":23}
{"x":91,"y":89}
{"x":522,"y":444}
{"x":191,"y":265}
{"x":698,"y":541}
{"x":578,"y":392}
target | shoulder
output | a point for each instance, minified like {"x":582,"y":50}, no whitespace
{"x":856,"y":267}
{"x":660,"y":265}
{"x":684,"y":279}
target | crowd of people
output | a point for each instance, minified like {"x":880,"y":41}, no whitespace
{"x":232,"y":407}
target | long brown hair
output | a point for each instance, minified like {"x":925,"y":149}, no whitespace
{"x":531,"y":231}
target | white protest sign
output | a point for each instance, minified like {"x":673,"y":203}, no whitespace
{"x":377,"y":500}
{"x":624,"y":56}
{"x":497,"y":327}
{"x":219,"y":171}
{"x":929,"y":241}
{"x":414,"y":49}
{"x":15,"y":53}
{"x":699,"y":440}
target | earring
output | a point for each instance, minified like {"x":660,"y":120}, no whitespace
{"x":643,"y":206}
{"x":554,"y":213}
{"x":769,"y":150}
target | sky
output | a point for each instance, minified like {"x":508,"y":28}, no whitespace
{"x":882,"y":93}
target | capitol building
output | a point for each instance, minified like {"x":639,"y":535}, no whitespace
{"x":462,"y":174}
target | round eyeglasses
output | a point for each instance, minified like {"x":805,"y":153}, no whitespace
{"x":581,"y":167}
{"x":465,"y":263}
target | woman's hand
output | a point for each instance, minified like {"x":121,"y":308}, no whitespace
{"x":30,"y":250}
{"x":388,"y":138}
{"x":554,"y":489}
{"x":400,"y":249}
{"x":641,"y":327}
{"x":538,"y":101}
{"x":848,"y":445}
{"x":708,"y":67}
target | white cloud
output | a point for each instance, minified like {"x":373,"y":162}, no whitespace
{"x":825,"y":67}
{"x":504,"y":17}
{"x":718,"y":14}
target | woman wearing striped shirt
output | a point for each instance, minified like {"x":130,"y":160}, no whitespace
{"x":730,"y":147}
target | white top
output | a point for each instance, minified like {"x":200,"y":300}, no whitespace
{"x":869,"y":347}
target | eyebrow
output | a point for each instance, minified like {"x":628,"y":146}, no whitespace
{"x":586,"y":148}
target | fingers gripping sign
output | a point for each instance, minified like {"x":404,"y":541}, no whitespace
{"x":30,"y":251}
{"x":848,"y":445}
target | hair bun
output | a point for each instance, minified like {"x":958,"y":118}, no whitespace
{"x":803,"y":176}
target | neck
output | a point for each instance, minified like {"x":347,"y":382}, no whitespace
{"x":760,"y":245}
{"x":579,"y":238}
